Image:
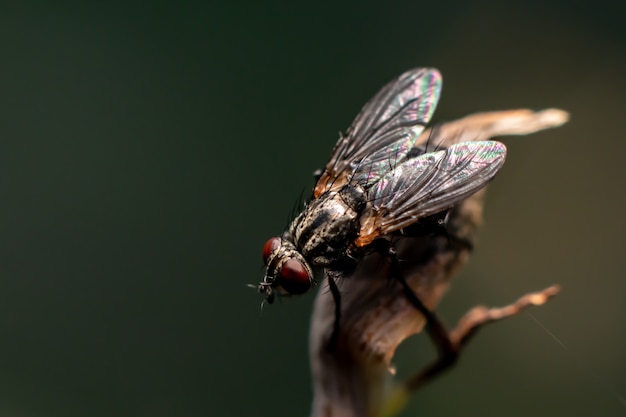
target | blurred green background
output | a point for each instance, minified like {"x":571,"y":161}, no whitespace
{"x":147,"y":151}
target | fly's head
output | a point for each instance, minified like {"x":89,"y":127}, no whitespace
{"x":288,"y":273}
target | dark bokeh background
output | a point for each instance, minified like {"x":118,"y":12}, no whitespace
{"x":148,"y":151}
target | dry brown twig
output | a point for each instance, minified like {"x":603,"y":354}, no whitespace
{"x":354,"y":377}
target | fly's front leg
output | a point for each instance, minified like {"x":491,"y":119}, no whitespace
{"x":346,"y":268}
{"x":334,"y":290}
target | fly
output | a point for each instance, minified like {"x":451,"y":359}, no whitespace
{"x":376,"y":184}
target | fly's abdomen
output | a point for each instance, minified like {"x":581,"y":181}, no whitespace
{"x":329,"y":225}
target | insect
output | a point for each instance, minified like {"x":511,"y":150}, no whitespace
{"x":377,"y":184}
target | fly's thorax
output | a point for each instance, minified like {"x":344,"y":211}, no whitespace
{"x":288,"y":272}
{"x":326,"y":228}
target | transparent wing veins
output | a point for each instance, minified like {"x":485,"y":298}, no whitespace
{"x":387,"y":126}
{"x":433,"y":182}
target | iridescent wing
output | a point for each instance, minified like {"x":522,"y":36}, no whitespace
{"x":385,"y":130}
{"x":429,"y":184}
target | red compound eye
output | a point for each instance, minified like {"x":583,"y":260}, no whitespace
{"x":294,"y":278}
{"x":269,"y":247}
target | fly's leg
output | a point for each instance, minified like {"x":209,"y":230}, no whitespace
{"x":434,"y":226}
{"x":447,"y":350}
{"x":346,"y":268}
{"x":450,"y":343}
{"x":334,"y":290}
{"x":469,"y":325}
